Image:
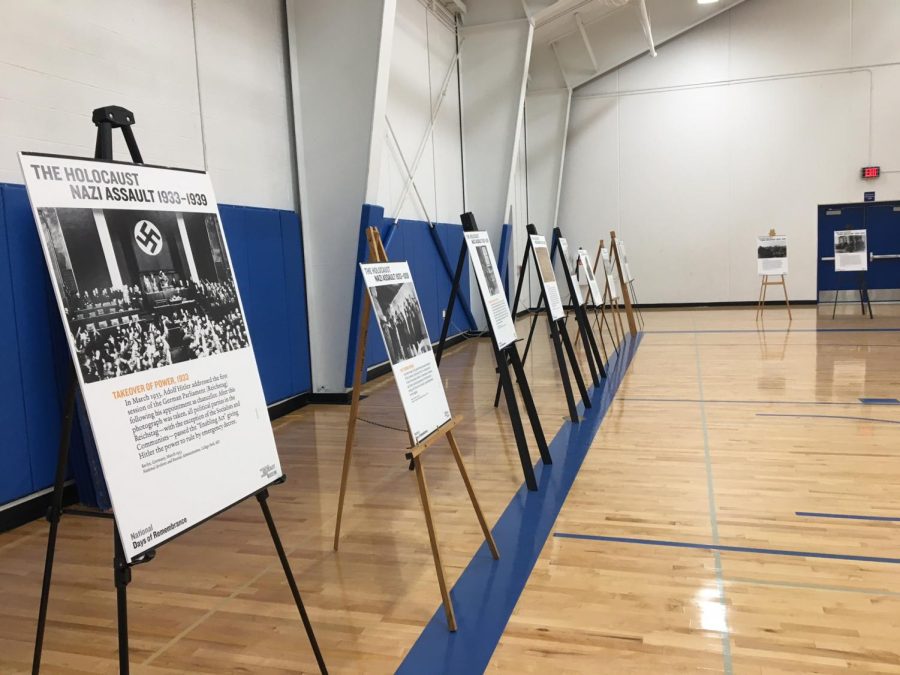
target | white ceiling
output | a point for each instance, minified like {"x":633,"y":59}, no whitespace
{"x":611,"y":33}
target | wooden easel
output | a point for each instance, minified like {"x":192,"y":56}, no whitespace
{"x":764,"y":284}
{"x":623,"y":283}
{"x":377,"y":254}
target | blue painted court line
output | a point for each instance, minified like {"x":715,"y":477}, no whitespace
{"x":731,"y":549}
{"x":831,"y":417}
{"x":775,"y":330}
{"x":737,"y":401}
{"x":847,"y":516}
{"x":879,"y":401}
{"x":487,"y":591}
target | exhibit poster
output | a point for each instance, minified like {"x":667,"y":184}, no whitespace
{"x":482,"y":256}
{"x":402,"y":325}
{"x":155,"y":324}
{"x":573,"y":267}
{"x":850,"y":251}
{"x":548,"y":278}
{"x":612,"y":279}
{"x":585,"y":261}
{"x":771,"y":255}
{"x":623,"y":259}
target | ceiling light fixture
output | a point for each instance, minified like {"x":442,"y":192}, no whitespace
{"x":706,"y":2}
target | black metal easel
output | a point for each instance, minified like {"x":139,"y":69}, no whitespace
{"x":597,"y":306}
{"x":106,"y":119}
{"x":506,"y":357}
{"x":587,"y":335}
{"x":558,"y":335}
{"x":864,"y":300}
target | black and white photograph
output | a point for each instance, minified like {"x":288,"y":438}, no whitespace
{"x":400,"y":317}
{"x":487,"y":266}
{"x":850,"y":241}
{"x":142,"y":289}
{"x":496,"y":305}
{"x":850,"y":251}
{"x":771,"y":254}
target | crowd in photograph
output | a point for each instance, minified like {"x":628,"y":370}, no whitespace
{"x":404,"y":333}
{"x":205,"y":321}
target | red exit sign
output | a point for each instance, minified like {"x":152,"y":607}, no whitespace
{"x":870,"y":172}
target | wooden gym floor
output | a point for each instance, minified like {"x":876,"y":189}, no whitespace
{"x":704,"y":527}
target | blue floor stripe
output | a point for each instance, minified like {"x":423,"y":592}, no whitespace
{"x":486,"y":593}
{"x":847,"y":516}
{"x":775,"y":330}
{"x":737,"y":401}
{"x":879,"y":401}
{"x":831,"y":417}
{"x":733,"y":549}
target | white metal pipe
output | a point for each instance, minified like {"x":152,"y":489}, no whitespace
{"x":428,"y":132}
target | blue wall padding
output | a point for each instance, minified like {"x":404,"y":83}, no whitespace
{"x":410,"y":241}
{"x":503,"y":256}
{"x":267,"y":254}
{"x":267,"y":251}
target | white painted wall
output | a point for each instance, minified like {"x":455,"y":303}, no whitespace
{"x":60,"y":60}
{"x":745,"y":123}
{"x":421,"y":58}
{"x":340,"y":65}
{"x":244,"y":99}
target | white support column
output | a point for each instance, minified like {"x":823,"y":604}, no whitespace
{"x":188,"y":251}
{"x":109,"y":254}
{"x":340,"y":60}
{"x":494,"y":58}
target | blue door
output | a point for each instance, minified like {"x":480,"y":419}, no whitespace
{"x":881,"y":220}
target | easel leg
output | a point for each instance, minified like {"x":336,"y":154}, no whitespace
{"x":564,"y":373}
{"x":435,"y":552}
{"x":605,"y":320}
{"x":53,"y":515}
{"x":122,"y":576}
{"x":834,"y":306}
{"x":528,"y":400}
{"x":262,"y":497}
{"x":759,"y":301}
{"x":354,"y":411}
{"x":515,"y":420}
{"x":786,"y":301}
{"x":534,"y":320}
{"x":488,"y":537}
{"x":576,"y":371}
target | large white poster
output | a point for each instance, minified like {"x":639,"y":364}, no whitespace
{"x":585,"y":261}
{"x":771,"y":255}
{"x":402,"y":325}
{"x":623,"y":260}
{"x":572,"y":265}
{"x":612,"y":279}
{"x":156,"y":327}
{"x":850,"y":251}
{"x":548,"y":278}
{"x":482,"y":256}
